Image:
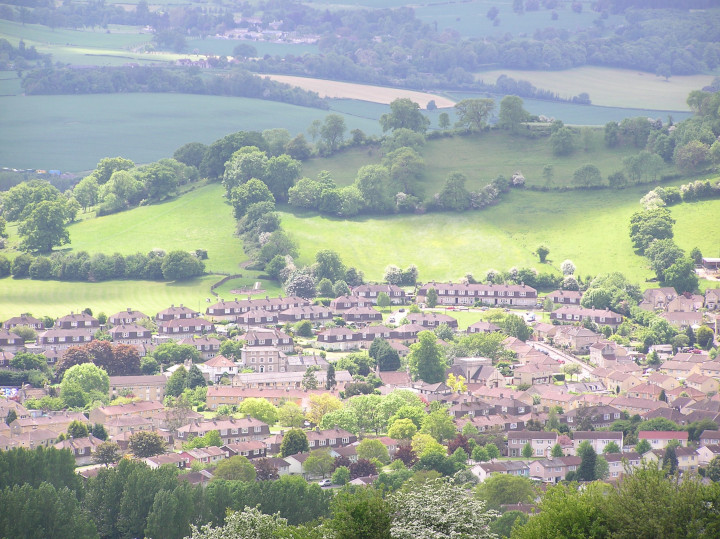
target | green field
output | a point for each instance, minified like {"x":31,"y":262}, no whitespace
{"x":73,"y":132}
{"x":483,"y":157}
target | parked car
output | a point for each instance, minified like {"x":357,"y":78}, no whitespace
{"x":325,"y":483}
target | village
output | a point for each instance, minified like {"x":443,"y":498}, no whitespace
{"x":525,"y":412}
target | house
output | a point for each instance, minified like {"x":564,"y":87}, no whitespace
{"x":206,"y":455}
{"x":686,"y":303}
{"x":296,"y":463}
{"x":712,"y":299}
{"x":77,"y":321}
{"x":232,"y":396}
{"x":645,"y":391}
{"x":620,"y":463}
{"x":607,"y":353}
{"x":484,"y":470}
{"x":634,"y":405}
{"x":680,"y":369}
{"x":367,"y":334}
{"x":361,"y":315}
{"x":553,"y":470}
{"x":599,"y":417}
{"x":576,"y":338}
{"x":252,"y":449}
{"x":712,"y":264}
{"x":683,"y":319}
{"x":208,"y":347}
{"x":668,"y":383}
{"x":24,"y":320}
{"x":214,"y":369}
{"x":621,"y":382}
{"x":395,"y":379}
{"x":371,"y":291}
{"x":285,"y":380}
{"x":116,"y":426}
{"x":182,"y":328}
{"x":710,"y":437}
{"x":598,"y":439}
{"x":146,"y":387}
{"x":489,"y":294}
{"x":144,"y":409}
{"x":57,"y":423}
{"x":230,"y":310}
{"x":317,"y":314}
{"x":130,"y":334}
{"x":128,"y":316}
{"x":173,"y":459}
{"x":470,"y":409}
{"x":406,"y":332}
{"x":339,"y":338}
{"x":482,"y":327}
{"x":230,"y":430}
{"x":335,"y":437}
{"x":657,"y":298}
{"x":541,"y":442}
{"x":269,"y":337}
{"x":343,"y":303}
{"x":565,"y":297}
{"x":263,"y":359}
{"x":432,"y":320}
{"x":533,"y":374}
{"x":688,"y":458}
{"x":176,"y":313}
{"x":34,"y":438}
{"x":701,"y":383}
{"x":571,"y":314}
{"x":81,"y":448}
{"x":62,"y":339}
{"x":543,"y":331}
{"x":10,"y":341}
{"x":257,"y":317}
{"x":659,"y":439}
{"x":707,"y":452}
{"x":301,"y":363}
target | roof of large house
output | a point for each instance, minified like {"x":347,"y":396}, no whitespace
{"x":219,"y":361}
{"x":144,"y":379}
{"x":662,"y":435}
{"x":131,"y":408}
{"x":596,"y":435}
{"x":532,"y":435}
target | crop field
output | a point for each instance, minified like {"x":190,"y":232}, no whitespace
{"x":612,"y":87}
{"x":590,"y":228}
{"x":362,"y":92}
{"x":73,"y":132}
{"x":483,"y":157}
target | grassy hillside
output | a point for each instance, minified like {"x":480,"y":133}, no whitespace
{"x":483,"y":157}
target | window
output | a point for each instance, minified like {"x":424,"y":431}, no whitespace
{"x":244,"y":430}
{"x":258,"y":429}
{"x":346,"y":440}
{"x":323,"y":442}
{"x":521,"y":410}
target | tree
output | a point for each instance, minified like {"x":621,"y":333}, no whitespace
{"x":372,"y":181}
{"x":44,"y":227}
{"x":516,"y":327}
{"x":542,"y":251}
{"x":512,"y":113}
{"x":261,"y":409}
{"x":194,"y":378}
{"x":557,"y":451}
{"x":290,"y":415}
{"x":438,"y":509}
{"x":86,"y":192}
{"x":295,"y":441}
{"x":237,"y":468}
{"x":341,"y":476}
{"x":612,"y":447}
{"x":106,"y":453}
{"x":663,"y":254}
{"x":76,"y":429}
{"x":181,"y":265}
{"x":712,"y":471}
{"x":319,"y":462}
{"x":439,"y":425}
{"x":453,"y":195}
{"x":504,"y":489}
{"x":309,"y":380}
{"x":145,"y":444}
{"x":373,"y":450}
{"x":405,"y":166}
{"x":362,"y":468}
{"x":473,"y":114}
{"x":383,"y":300}
{"x":704,"y":337}
{"x":587,"y":175}
{"x":404,"y":114}
{"x":562,"y":141}
{"x":527,"y":451}
{"x":586,"y":470}
{"x":176,"y":383}
{"x":84,"y":384}
{"x":444,"y":120}
{"x":402,"y":429}
{"x":432,"y":297}
{"x":363,"y":513}
{"x":250,"y":523}
{"x":330,"y":381}
{"x":385,"y":356}
{"x":328,"y":265}
{"x":246,"y":194}
{"x":332,"y":131}
{"x":425,"y":360}
{"x":322,"y":404}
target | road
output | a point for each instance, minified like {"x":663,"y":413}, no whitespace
{"x":556,"y":354}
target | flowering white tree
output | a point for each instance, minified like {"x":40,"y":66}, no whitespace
{"x":567,"y":267}
{"x":249,"y":523}
{"x":437,"y":509}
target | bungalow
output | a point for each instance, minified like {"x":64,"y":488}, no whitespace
{"x":553,"y":470}
{"x":567,"y":314}
{"x":77,"y":320}
{"x":659,"y":439}
{"x":565,"y":297}
{"x":214,"y":369}
{"x":283,"y":467}
{"x":230,"y":430}
{"x":232,"y":396}
{"x":176,"y":313}
{"x":315,"y":313}
{"x":81,"y":448}
{"x":252,"y":449}
{"x":482,"y":327}
{"x":361,"y":315}
{"x":688,"y":458}
{"x":490,"y":294}
{"x":543,"y":331}
{"x":683,"y":319}
{"x":146,"y":387}
{"x":24,"y":320}
{"x":432,"y":320}
{"x":181,"y":328}
{"x":62,"y":339}
{"x":371,"y":291}
{"x":395,"y":379}
{"x":128,"y":316}
{"x":301,"y":363}
{"x":541,"y":442}
{"x":130,"y":334}
{"x":598,"y":439}
{"x":296,"y":463}
{"x":208,"y":347}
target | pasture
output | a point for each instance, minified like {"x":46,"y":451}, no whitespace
{"x":73,"y":132}
{"x":483,"y":157}
{"x":611,"y":87}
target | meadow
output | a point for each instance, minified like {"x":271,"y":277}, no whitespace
{"x":483,"y":157}
{"x":611,"y":87}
